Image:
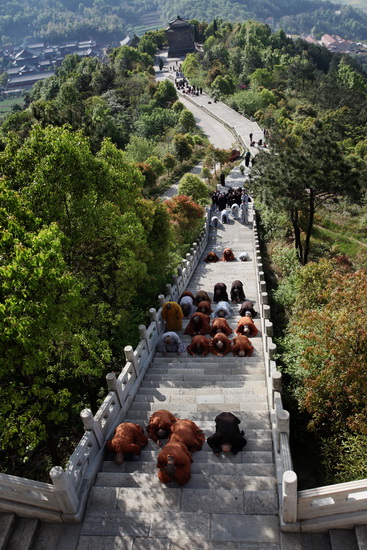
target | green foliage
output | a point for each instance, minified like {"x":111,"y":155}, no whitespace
{"x":344,"y":457}
{"x":194,"y":187}
{"x":182,"y":147}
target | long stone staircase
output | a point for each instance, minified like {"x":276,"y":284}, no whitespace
{"x":231,"y":502}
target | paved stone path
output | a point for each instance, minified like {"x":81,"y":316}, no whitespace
{"x":230,"y":503}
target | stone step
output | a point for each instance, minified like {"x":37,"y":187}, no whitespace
{"x":149,"y":391}
{"x":206,"y":404}
{"x":361,"y":534}
{"x":206,"y":455}
{"x":156,"y":496}
{"x":211,"y":368}
{"x":6,"y":525}
{"x":186,"y":529}
{"x":215,"y":467}
{"x":22,"y":534}
{"x":189,"y":375}
{"x":251,"y":420}
{"x":343,"y":539}
{"x":211,"y":359}
{"x":256,"y":373}
{"x":250,"y":397}
{"x":208,"y":427}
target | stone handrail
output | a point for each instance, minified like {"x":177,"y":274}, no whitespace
{"x":335,"y":506}
{"x":65,"y":499}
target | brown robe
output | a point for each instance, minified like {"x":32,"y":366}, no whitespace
{"x":160,"y":420}
{"x":228,"y":255}
{"x":242,"y":343}
{"x":211,"y":258}
{"x":186,"y":438}
{"x":220,"y":293}
{"x":249,"y":322}
{"x":187,"y":293}
{"x":213,"y":346}
{"x":128,"y":438}
{"x":247,"y":306}
{"x":201,"y":296}
{"x":203,"y":327}
{"x":237,"y":293}
{"x":199,"y":341}
{"x":220,"y":325}
{"x":204,"y":307}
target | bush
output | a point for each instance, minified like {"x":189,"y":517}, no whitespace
{"x":192,"y":186}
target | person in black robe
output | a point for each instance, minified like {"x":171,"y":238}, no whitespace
{"x":220,"y":293}
{"x":237,"y":293}
{"x":227,"y":437}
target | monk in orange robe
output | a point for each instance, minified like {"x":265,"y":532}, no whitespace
{"x":211,"y":258}
{"x":159,"y":426}
{"x":174,"y":460}
{"x":220,"y":325}
{"x":228,"y":255}
{"x":172,"y":315}
{"x":246,"y":327}
{"x":199,"y":346}
{"x":199,"y":324}
{"x":128,"y":438}
{"x":204,"y":307}
{"x":242,"y":347}
{"x":220,"y":345}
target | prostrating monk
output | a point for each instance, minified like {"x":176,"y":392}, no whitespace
{"x":172,"y":315}
{"x":220,"y":325}
{"x":201,"y":296}
{"x":187,"y":305}
{"x":246,"y":327}
{"x":223,"y":309}
{"x":204,"y":307}
{"x":128,"y":438}
{"x":187,"y":293}
{"x":199,"y":346}
{"x":220,"y":345}
{"x":228,"y":256}
{"x":247,"y":308}
{"x":242,"y":347}
{"x":227,"y":437}
{"x":170,"y":343}
{"x":220,"y":293}
{"x":211,"y":257}
{"x":199,"y":324}
{"x":159,"y":425}
{"x":237,"y":293}
{"x":175,"y":458}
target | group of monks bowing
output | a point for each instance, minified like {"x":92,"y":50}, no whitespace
{"x":184,"y":437}
{"x":200,"y":310}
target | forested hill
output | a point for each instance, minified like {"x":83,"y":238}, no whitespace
{"x":111,"y":20}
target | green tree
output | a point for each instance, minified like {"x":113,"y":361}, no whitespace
{"x":193,"y":186}
{"x":182,"y":147}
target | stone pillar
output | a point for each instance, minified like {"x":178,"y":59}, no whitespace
{"x":289,"y":505}
{"x":64,"y":491}
{"x":130,"y":357}
{"x":276,"y":379}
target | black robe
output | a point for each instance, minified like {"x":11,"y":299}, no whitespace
{"x":227,"y":432}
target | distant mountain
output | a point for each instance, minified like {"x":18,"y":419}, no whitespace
{"x":112,"y":20}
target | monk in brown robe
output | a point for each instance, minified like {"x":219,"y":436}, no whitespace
{"x":172,"y":315}
{"x":220,"y":325}
{"x":128,"y":438}
{"x":242,"y":347}
{"x":237,"y":293}
{"x":228,"y":255}
{"x":201,"y":296}
{"x":211,"y":258}
{"x":204,"y":307}
{"x":187,"y":293}
{"x":220,"y":293}
{"x":159,"y":426}
{"x":246,"y":327}
{"x":199,"y":324}
{"x":174,"y":459}
{"x":247,"y":306}
{"x":199,"y":346}
{"x":220,"y":345}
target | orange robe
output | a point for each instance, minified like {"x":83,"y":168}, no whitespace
{"x":249,"y":322}
{"x":228,"y":255}
{"x":242,"y":343}
{"x":201,"y":296}
{"x":211,"y":258}
{"x":173,"y":316}
{"x":128,"y":438}
{"x":213,"y":346}
{"x":200,"y":341}
{"x":202,"y":327}
{"x":204,"y":307}
{"x":220,"y":325}
{"x":160,"y":420}
{"x":186,"y":438}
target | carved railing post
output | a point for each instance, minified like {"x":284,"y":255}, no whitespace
{"x":289,"y":505}
{"x":64,"y":491}
{"x":129,"y":354}
{"x":276,"y":378}
{"x":90,"y":424}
